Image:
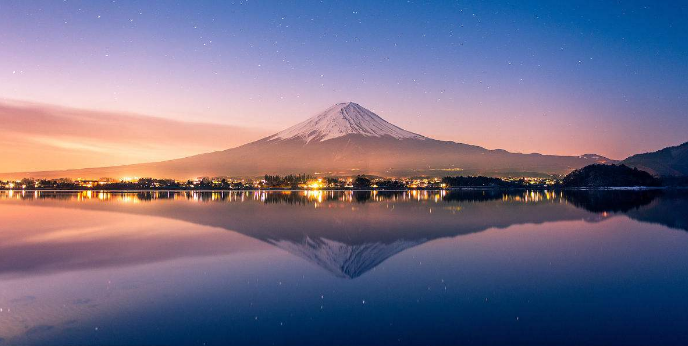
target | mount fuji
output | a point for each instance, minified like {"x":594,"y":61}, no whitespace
{"x":346,"y":139}
{"x":341,"y":120}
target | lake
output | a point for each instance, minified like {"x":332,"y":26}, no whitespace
{"x":474,"y":267}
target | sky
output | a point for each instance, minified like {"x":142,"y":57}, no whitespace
{"x":37,"y":137}
{"x":574,"y":77}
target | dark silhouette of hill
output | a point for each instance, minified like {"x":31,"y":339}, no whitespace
{"x":671,"y":161}
{"x":609,"y":176}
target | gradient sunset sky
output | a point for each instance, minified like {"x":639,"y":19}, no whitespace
{"x":573,"y":77}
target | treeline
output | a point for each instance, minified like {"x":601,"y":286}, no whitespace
{"x":291,"y":180}
{"x":599,"y":175}
{"x":363,"y":182}
{"x":593,"y":176}
{"x":140,"y":184}
{"x":481,"y":181}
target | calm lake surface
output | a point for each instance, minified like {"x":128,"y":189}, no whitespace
{"x":344,"y":268}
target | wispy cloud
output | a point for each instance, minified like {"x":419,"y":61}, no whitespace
{"x":75,"y":144}
{"x":43,"y":137}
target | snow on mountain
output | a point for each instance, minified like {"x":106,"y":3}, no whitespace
{"x":340,"y":120}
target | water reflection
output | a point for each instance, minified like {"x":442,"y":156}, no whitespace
{"x":346,"y":233}
{"x":612,"y":201}
{"x":416,"y":267}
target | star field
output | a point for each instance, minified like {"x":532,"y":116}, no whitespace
{"x":560,"y":78}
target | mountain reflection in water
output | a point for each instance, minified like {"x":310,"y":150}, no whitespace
{"x":346,"y":233}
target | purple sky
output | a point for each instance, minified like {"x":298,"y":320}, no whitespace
{"x":533,"y":76}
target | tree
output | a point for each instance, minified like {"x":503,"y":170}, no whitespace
{"x":27,"y":183}
{"x":598,"y":175}
{"x":361,"y":182}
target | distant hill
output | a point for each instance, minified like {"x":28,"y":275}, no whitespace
{"x":344,"y":140}
{"x":598,"y":175}
{"x":671,"y":161}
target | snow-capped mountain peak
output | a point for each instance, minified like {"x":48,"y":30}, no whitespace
{"x":340,"y":120}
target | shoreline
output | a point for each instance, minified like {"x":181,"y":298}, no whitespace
{"x":473,"y":188}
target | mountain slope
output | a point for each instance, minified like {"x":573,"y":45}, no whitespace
{"x":346,"y":139}
{"x":671,"y":161}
